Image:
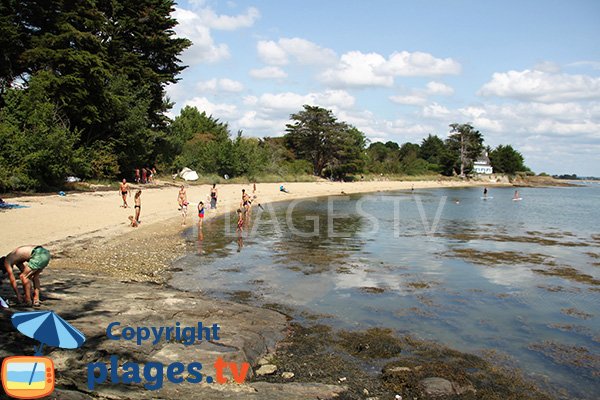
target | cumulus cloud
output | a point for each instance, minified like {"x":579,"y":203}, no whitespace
{"x":438,"y":88}
{"x":372,"y":69}
{"x":301,"y":50}
{"x":419,"y":64}
{"x":418,"y":97}
{"x":254,"y":121}
{"x":290,"y":102}
{"x":358,"y":69}
{"x":216,"y":85}
{"x":217,"y":110}
{"x":436,"y":111}
{"x":196,"y":26}
{"x":269,"y":113}
{"x":540,"y":86}
{"x":203,"y":48}
{"x":409,"y":100}
{"x":268,"y":73}
{"x":228,"y":22}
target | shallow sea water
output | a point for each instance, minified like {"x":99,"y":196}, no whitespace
{"x":521,"y":278}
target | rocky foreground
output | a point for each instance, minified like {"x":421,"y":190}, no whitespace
{"x":91,"y":303}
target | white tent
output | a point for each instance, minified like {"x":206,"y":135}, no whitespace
{"x":188,"y":174}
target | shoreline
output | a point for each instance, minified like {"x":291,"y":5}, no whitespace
{"x":65,"y":222}
{"x":105,"y":262}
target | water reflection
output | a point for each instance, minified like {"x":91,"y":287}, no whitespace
{"x":390,"y":272}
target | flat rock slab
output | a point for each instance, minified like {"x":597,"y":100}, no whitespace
{"x":437,"y":387}
{"x":91,"y":303}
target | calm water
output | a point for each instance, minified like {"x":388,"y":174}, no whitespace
{"x":468,"y":281}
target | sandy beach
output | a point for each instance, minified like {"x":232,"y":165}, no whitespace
{"x":60,"y":222}
{"x":103,"y":270}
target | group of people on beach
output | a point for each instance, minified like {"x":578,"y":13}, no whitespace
{"x":30,"y":261}
{"x":146,"y":175}
{"x":183,"y":203}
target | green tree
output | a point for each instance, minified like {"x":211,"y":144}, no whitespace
{"x":432,"y":149}
{"x":507,"y":160}
{"x":38,"y":148}
{"x":467,"y":142}
{"x":318,"y":137}
{"x":349,"y":153}
{"x":95,"y":56}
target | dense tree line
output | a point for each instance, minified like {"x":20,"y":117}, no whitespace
{"x":98,"y":70}
{"x":317,"y":143}
{"x":82,"y":93}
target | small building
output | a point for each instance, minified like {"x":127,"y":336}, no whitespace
{"x":483,"y":165}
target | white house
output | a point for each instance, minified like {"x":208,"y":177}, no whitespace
{"x":482,"y":165}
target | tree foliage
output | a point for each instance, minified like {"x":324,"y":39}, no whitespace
{"x":333,"y":148}
{"x":467,"y":142}
{"x":38,"y":148}
{"x":104,"y":64}
{"x":507,"y":160}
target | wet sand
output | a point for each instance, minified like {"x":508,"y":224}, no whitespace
{"x":91,"y":231}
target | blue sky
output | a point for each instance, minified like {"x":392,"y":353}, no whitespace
{"x":525,"y":73}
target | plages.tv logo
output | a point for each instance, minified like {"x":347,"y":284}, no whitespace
{"x":32,"y":377}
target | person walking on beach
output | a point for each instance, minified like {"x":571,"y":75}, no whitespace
{"x":138,"y":205}
{"x":144,"y":175}
{"x":137,"y":175}
{"x":200,"y":213}
{"x":30,"y":260}
{"x":181,"y":197}
{"x":213,"y":197}
{"x":123,"y":190}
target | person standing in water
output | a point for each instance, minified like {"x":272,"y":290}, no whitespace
{"x":200,"y":213}
{"x":516,"y":196}
{"x":213,"y":197}
{"x":123,"y":190}
{"x":485,"y":192}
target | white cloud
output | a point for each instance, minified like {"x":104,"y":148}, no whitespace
{"x":532,"y":85}
{"x":268,"y":73}
{"x":224,"y":84}
{"x":227,"y":22}
{"x":271,"y":53}
{"x":592,"y":64}
{"x":358,"y":69}
{"x":196,"y":26}
{"x":302,"y":51}
{"x":308,"y":53}
{"x":409,"y":100}
{"x":372,"y":69}
{"x":419,"y":64}
{"x":418,"y":97}
{"x":293,"y":102}
{"x":438,"y":88}
{"x":436,"y":111}
{"x":229,"y":85}
{"x":203,"y":48}
{"x":221,"y":111}
{"x":547,"y":66}
{"x":253,"y":121}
